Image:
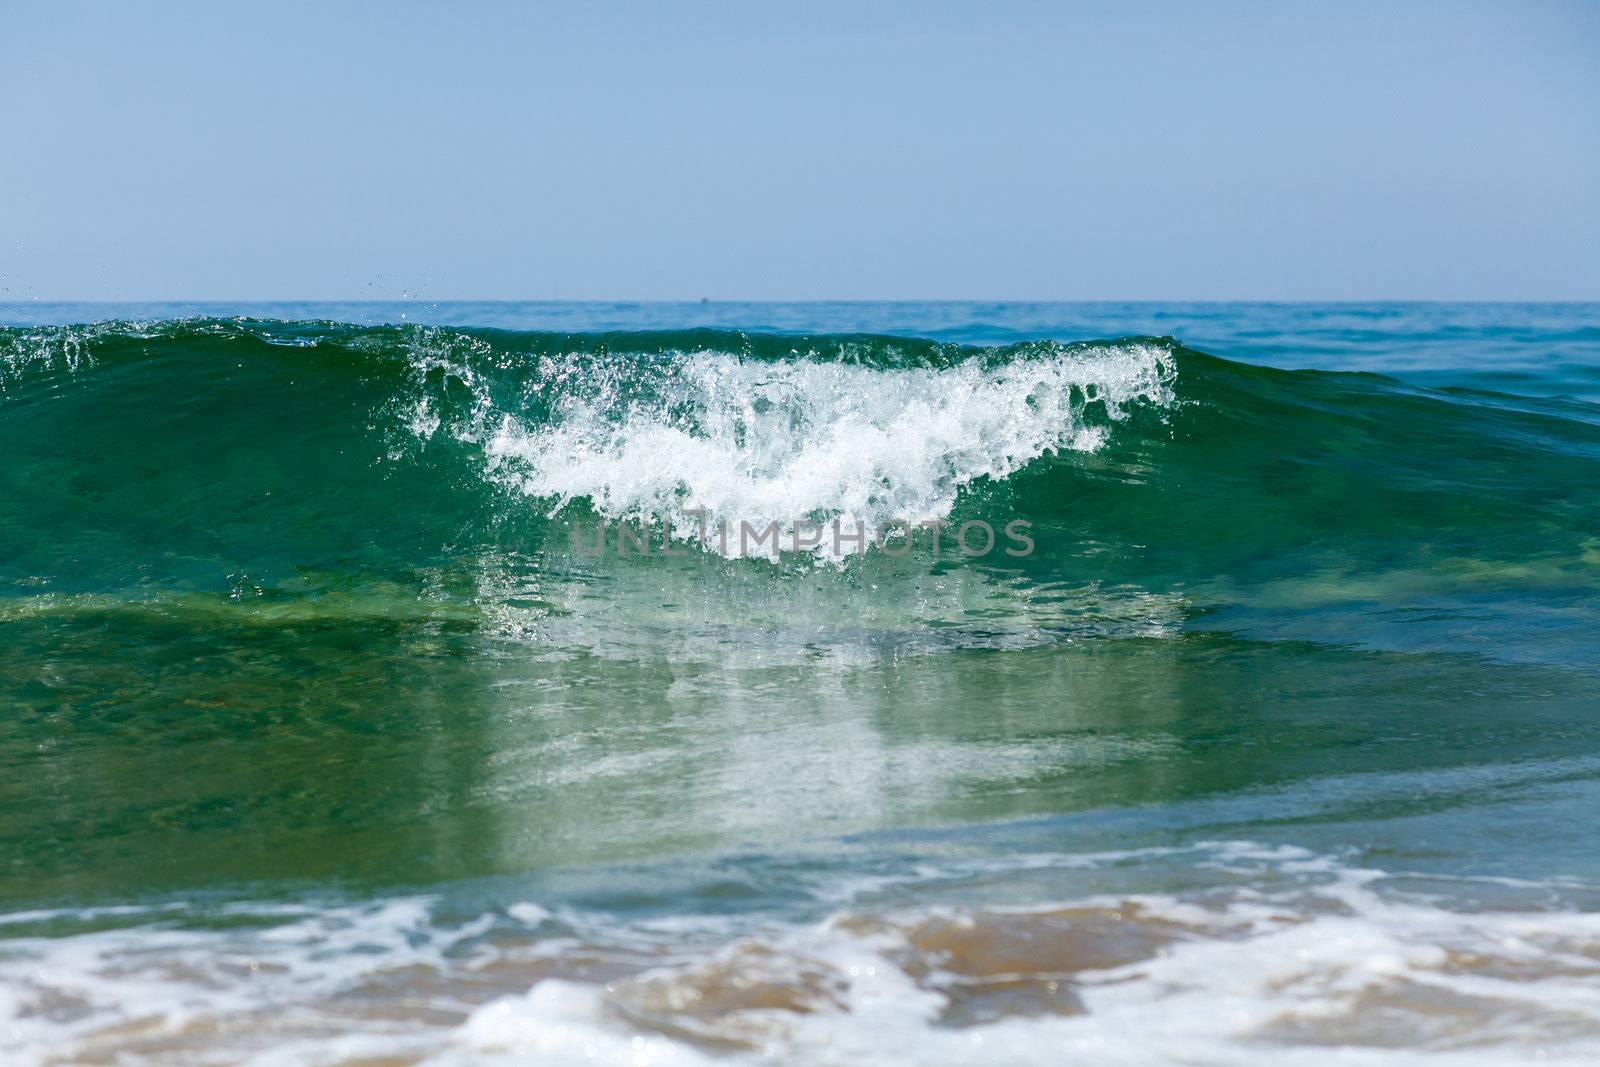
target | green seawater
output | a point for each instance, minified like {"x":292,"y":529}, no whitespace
{"x":320,"y":733}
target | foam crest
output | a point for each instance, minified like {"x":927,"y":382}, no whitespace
{"x":709,"y":437}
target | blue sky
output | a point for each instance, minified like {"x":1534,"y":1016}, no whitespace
{"x":800,"y":151}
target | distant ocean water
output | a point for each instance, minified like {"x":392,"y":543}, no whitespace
{"x":324,"y":743}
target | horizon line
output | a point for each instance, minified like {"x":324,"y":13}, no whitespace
{"x":425,"y":301}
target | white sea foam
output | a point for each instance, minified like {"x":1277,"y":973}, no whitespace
{"x":1334,"y":973}
{"x":755,"y":441}
{"x":1288,"y":958}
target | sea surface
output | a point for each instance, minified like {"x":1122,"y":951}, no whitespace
{"x":324,"y":741}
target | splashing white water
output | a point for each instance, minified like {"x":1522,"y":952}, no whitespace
{"x":714,"y":439}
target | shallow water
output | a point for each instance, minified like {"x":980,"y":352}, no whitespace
{"x":324,"y":742}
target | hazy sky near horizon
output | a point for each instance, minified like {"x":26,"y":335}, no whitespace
{"x":825,"y":150}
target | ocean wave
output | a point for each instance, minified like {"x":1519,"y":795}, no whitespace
{"x":699,"y":428}
{"x":259,"y":455}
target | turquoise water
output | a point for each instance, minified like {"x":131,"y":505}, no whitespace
{"x":325,"y":742}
